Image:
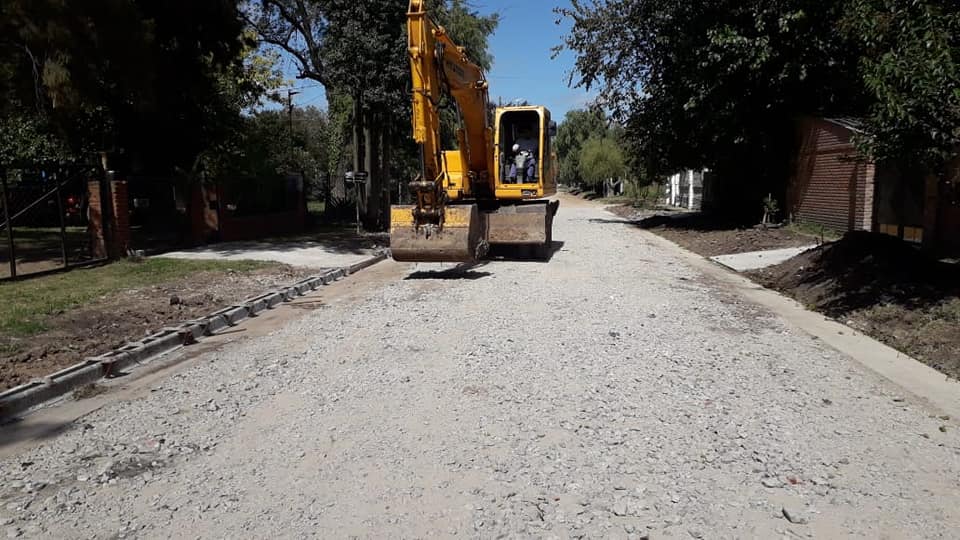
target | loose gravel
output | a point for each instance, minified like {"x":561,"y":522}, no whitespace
{"x":612,"y":392}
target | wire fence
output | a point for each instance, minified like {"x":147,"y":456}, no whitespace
{"x":43,"y":224}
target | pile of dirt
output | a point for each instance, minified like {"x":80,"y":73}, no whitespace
{"x":710,"y":236}
{"x":112,"y":321}
{"x":883,"y":287}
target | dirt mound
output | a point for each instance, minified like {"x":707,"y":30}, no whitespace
{"x":860,"y":270}
{"x":711,"y":235}
{"x":883,"y":287}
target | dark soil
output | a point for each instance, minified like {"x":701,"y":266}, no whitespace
{"x":130,"y":315}
{"x":882,"y":287}
{"x":709,"y":236}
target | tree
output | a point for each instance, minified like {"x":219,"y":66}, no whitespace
{"x":601,"y":159}
{"x":467,"y":28}
{"x":911,"y":68}
{"x":715,"y":84}
{"x":353,"y":48}
{"x":357,"y":48}
{"x":470,"y":30}
{"x":139,"y":79}
{"x":577,"y":127}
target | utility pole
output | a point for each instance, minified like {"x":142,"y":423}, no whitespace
{"x":290,"y":94}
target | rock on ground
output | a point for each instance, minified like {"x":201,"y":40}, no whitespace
{"x":613,"y":392}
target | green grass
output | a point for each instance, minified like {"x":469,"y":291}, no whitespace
{"x":812,"y":229}
{"x":25,"y":306}
{"x":315,"y":207}
{"x":33,"y":237}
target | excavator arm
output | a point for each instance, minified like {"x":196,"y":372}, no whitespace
{"x":431,"y":230}
{"x":441,"y":69}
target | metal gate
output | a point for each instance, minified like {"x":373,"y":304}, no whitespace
{"x":44,"y":220}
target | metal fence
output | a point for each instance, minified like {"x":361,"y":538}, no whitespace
{"x":44,"y":220}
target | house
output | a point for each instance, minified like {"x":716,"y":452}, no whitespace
{"x":831,"y":186}
{"x":686,"y":189}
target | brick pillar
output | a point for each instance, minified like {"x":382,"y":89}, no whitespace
{"x":121,"y":218}
{"x":115,"y":242}
{"x":868,"y":219}
{"x":98,"y":243}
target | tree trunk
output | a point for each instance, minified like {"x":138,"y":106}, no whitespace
{"x":372,"y":162}
{"x":359,"y":132}
{"x":385,"y":175}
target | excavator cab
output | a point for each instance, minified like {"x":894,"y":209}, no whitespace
{"x":526,"y":163}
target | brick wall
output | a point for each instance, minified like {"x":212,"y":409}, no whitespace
{"x":98,"y":245}
{"x":121,"y":216}
{"x":829,"y":185}
{"x":204,"y":215}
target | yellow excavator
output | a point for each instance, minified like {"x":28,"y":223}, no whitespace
{"x":491,"y":189}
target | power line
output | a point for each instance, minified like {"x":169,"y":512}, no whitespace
{"x":304,"y":87}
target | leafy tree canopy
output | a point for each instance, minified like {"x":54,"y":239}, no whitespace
{"x":467,"y":28}
{"x":720,"y":84}
{"x":706,"y":83}
{"x":577,"y":127}
{"x":143,"y":80}
{"x":601,"y":159}
{"x":911,"y":67}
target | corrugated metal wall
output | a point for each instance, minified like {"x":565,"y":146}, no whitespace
{"x":829,"y":186}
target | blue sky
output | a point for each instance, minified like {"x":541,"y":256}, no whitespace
{"x":522,"y":66}
{"x":521,"y":46}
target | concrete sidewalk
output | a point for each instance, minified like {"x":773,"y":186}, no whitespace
{"x":741,"y":262}
{"x":320,"y":253}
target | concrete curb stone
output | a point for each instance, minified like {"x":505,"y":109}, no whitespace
{"x":34,"y":393}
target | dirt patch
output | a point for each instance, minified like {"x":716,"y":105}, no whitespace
{"x":709,"y":236}
{"x":128,"y":315}
{"x":882,"y":287}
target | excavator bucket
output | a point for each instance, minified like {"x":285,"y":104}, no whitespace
{"x":459,"y":239}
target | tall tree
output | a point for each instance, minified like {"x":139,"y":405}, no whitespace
{"x":577,"y":127}
{"x":357,"y":48}
{"x":354,"y":48}
{"x":467,"y":28}
{"x":137,"y":78}
{"x":601,"y":159}
{"x":911,"y":68}
{"x":715,"y":84}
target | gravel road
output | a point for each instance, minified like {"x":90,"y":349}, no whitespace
{"x":612,"y":392}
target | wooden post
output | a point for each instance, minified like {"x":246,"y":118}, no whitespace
{"x":373,"y":168}
{"x":63,"y":223}
{"x":9,"y":223}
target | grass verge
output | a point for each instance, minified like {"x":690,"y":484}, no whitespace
{"x":26,"y":305}
{"x":817,"y":231}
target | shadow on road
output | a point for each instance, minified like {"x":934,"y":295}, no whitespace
{"x":686,"y":221}
{"x":464,"y":271}
{"x":16,"y":431}
{"x":524,"y":253}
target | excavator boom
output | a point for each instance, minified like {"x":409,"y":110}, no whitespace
{"x":459,"y":193}
{"x":432,"y":230}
